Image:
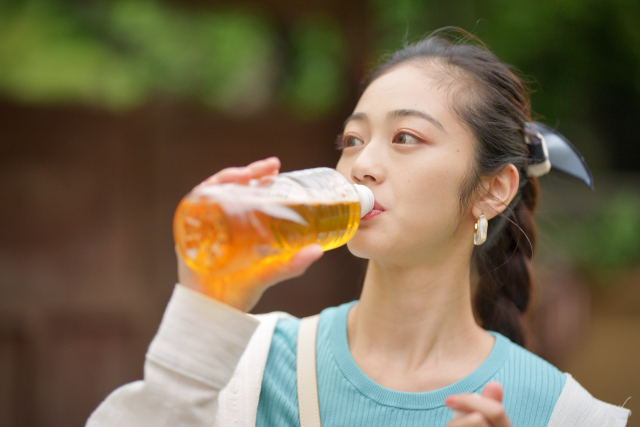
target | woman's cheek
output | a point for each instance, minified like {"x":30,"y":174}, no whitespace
{"x":431,"y":216}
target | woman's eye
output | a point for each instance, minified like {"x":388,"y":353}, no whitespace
{"x":351,"y":141}
{"x":343,"y":142}
{"x":405,"y":138}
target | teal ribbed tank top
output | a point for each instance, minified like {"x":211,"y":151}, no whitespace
{"x":349,"y":398}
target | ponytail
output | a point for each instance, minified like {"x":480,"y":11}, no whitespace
{"x":503,"y":264}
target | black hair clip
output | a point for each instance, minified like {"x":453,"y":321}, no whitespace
{"x":549,"y":148}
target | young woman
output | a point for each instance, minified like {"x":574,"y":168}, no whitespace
{"x":441,"y":137}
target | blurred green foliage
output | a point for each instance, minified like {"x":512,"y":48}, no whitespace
{"x":317,"y":83}
{"x":118,"y":54}
{"x":603,"y":242}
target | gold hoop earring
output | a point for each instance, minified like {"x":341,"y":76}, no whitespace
{"x":482,"y":226}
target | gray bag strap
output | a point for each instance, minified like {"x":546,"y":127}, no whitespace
{"x":308,"y":405}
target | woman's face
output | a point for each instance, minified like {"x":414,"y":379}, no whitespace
{"x":414,"y":154}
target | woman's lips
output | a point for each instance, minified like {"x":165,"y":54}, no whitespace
{"x":377,"y":210}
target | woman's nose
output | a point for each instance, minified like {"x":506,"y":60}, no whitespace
{"x":367,"y":166}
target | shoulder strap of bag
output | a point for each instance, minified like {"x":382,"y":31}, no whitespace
{"x":308,"y":405}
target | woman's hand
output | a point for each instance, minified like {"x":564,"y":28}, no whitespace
{"x":244,"y":291}
{"x":485,"y":410}
{"x":242,"y":175}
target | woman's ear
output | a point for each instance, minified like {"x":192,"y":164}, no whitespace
{"x":497,"y":192}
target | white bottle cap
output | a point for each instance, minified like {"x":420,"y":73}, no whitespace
{"x":366,"y":199}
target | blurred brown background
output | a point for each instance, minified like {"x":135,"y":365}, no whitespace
{"x":111,"y":111}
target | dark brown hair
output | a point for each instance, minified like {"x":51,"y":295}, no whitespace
{"x":494,"y":104}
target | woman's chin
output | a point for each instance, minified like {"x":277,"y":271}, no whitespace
{"x":364,"y":248}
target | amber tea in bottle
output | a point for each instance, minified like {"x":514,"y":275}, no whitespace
{"x":224,"y":229}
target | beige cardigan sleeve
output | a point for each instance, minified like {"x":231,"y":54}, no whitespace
{"x":577,"y":408}
{"x":190,"y":360}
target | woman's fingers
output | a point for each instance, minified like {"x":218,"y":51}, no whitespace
{"x":493,"y":390}
{"x":242,"y":175}
{"x":227,"y":175}
{"x":481,"y":410}
{"x":249,"y":289}
{"x":474,"y":419}
{"x":490,"y":409}
{"x":293,"y":267}
{"x":242,"y":289}
{"x":268,"y":166}
{"x":301,"y":261}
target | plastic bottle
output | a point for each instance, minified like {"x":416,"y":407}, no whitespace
{"x":229,"y":229}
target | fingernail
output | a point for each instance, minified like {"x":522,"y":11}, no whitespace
{"x":450,"y":400}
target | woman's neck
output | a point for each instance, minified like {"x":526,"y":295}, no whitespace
{"x":413,"y":329}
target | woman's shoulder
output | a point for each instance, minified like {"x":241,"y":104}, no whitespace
{"x":274,"y":317}
{"x":276,"y":325}
{"x":285,"y":326}
{"x":573,"y":405}
{"x":526,"y":367}
{"x":278,"y":331}
{"x":282,"y":329}
{"x":531,"y":385}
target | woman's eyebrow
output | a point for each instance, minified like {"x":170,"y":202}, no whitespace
{"x":399,"y":113}
{"x":415,"y":113}
{"x":356,"y":116}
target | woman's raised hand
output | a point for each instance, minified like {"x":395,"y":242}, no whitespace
{"x":242,"y":175}
{"x":485,"y":410}
{"x":242,"y":291}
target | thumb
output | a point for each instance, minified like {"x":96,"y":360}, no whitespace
{"x":303,"y":259}
{"x":288,"y":268}
{"x":493,"y":390}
